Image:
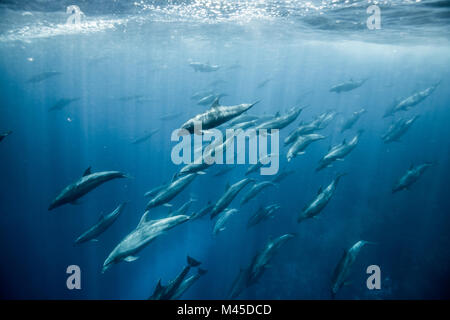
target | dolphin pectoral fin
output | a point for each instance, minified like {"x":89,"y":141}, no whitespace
{"x":131,"y":258}
{"x":339,"y":159}
{"x":201,"y":172}
{"x":75,"y":203}
{"x":94,"y":240}
{"x":167,"y":205}
{"x":300,"y":153}
{"x":221,"y":229}
{"x":347,"y":283}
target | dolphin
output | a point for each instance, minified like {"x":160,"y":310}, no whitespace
{"x":298,"y":148}
{"x":282,"y":175}
{"x":302,"y":129}
{"x":411,"y":176}
{"x":219,"y":226}
{"x":245,"y":125}
{"x":324,"y":119}
{"x":255,"y":167}
{"x":145,"y":137}
{"x":4,"y":135}
{"x":209,"y":99}
{"x":202,"y":212}
{"x":216,"y":116}
{"x":183,"y":209}
{"x":240,"y":283}
{"x":263,"y":213}
{"x":62,"y":103}
{"x":203,"y":67}
{"x":339,"y":152}
{"x":398,"y":129}
{"x":88,"y":182}
{"x":242,"y":118}
{"x":260,"y":262}
{"x":187,"y":283}
{"x":263,"y":83}
{"x":136,"y":240}
{"x":131,"y":98}
{"x":348,"y":86}
{"x":201,"y":164}
{"x":171,"y":116}
{"x":320,"y":201}
{"x":230,"y":193}
{"x":342,"y":269}
{"x":263,"y":258}
{"x":255,"y":189}
{"x":201,"y":94}
{"x":171,"y":191}
{"x":103,"y":223}
{"x":348,"y":124}
{"x":167,"y":292}
{"x":157,"y":189}
{"x":43,"y":76}
{"x":279,"y":122}
{"x":411,"y":101}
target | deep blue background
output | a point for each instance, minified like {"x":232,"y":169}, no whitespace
{"x":46,"y":152}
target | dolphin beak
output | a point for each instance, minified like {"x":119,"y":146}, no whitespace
{"x":258,"y":101}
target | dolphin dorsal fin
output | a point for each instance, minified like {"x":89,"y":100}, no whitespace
{"x":277,"y":114}
{"x":227,"y":186}
{"x":411,"y":166}
{"x":216,"y":103}
{"x":345,"y":141}
{"x":320,"y":190}
{"x":159,"y":286}
{"x":87,"y":172}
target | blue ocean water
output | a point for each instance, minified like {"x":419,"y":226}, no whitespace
{"x":127,"y":64}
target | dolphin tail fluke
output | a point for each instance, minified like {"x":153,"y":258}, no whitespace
{"x":192,"y":262}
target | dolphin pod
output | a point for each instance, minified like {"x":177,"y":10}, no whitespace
{"x":88,"y":182}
